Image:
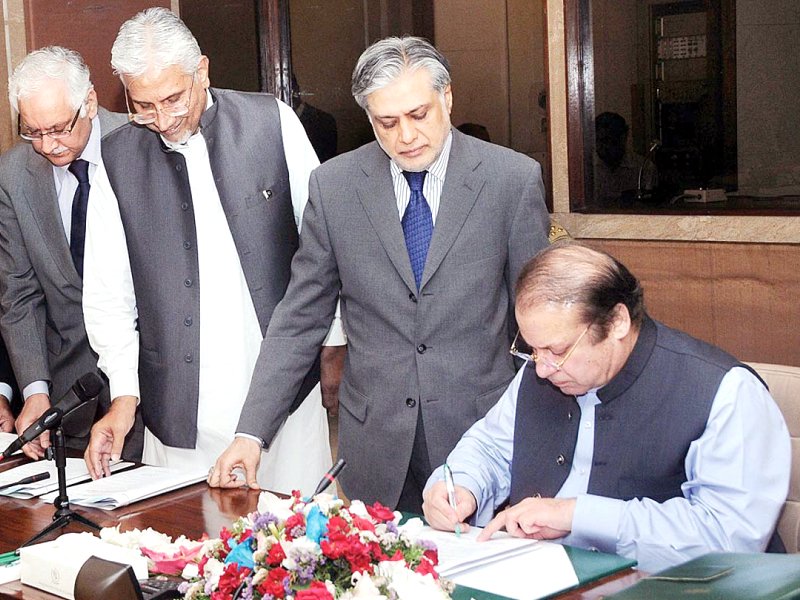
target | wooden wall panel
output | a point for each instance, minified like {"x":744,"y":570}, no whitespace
{"x":90,"y":28}
{"x":744,"y":298}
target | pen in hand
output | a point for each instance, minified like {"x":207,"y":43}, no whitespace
{"x":451,"y":494}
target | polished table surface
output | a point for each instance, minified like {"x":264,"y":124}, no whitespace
{"x":190,"y":511}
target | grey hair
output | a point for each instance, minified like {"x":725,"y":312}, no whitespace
{"x":46,"y":65}
{"x":570,"y":274}
{"x":154,"y":39}
{"x":386,"y":60}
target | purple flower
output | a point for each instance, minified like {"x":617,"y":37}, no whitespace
{"x":426,"y":544}
{"x":263,"y":520}
{"x":391,"y":527}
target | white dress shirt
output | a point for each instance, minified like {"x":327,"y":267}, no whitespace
{"x":230,"y":337}
{"x":431,"y":188}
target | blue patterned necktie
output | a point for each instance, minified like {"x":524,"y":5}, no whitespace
{"x":80,"y":202}
{"x":417,"y":224}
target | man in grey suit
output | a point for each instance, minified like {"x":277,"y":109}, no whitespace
{"x":422,"y":234}
{"x":43,"y":188}
{"x":9,"y":394}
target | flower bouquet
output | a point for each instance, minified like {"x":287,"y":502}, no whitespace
{"x":299,"y":549}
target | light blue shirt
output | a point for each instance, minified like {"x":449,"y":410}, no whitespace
{"x":737,"y":479}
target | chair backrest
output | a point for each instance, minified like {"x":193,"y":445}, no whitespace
{"x":784,"y":385}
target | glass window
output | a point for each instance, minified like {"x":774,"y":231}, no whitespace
{"x":688,"y":106}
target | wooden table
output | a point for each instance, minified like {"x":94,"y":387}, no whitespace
{"x":191,"y":511}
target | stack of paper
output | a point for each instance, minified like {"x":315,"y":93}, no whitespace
{"x":75,"y":471}
{"x":514,"y":567}
{"x":121,"y":489}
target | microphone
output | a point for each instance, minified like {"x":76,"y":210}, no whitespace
{"x":648,"y":157}
{"x":86,"y":388}
{"x":27,"y":480}
{"x":328,"y":478}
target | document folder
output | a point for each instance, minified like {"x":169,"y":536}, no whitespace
{"x":723,"y":576}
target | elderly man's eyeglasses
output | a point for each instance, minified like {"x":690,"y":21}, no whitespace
{"x":35,"y":136}
{"x":175,"y":107}
{"x":535,"y":358}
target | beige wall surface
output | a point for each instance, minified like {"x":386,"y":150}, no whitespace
{"x":768,"y":96}
{"x":474,"y":37}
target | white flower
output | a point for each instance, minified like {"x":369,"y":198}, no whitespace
{"x":412,"y":529}
{"x":190,"y":571}
{"x":408,"y":584}
{"x":280,"y":507}
{"x":327,"y":503}
{"x":363,"y":589}
{"x":359,"y":509}
{"x":213,"y":571}
{"x":299,"y":551}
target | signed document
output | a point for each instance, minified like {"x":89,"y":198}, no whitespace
{"x":127,"y":487}
{"x":514,"y":567}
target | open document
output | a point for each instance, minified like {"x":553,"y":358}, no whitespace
{"x":127,"y":487}
{"x":75,"y":472}
{"x":6,"y":439}
{"x":517,"y":568}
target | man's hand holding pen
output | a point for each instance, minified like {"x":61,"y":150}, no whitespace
{"x":440,"y":514}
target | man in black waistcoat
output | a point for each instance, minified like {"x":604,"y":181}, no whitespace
{"x":191,"y":230}
{"x":619,"y":433}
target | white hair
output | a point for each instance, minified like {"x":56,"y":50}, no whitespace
{"x":42,"y":67}
{"x":154,"y":39}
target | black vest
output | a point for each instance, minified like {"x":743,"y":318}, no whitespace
{"x":651,"y":411}
{"x":243,"y":135}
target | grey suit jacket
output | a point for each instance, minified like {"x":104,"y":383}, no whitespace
{"x":442,"y":350}
{"x":40,"y":290}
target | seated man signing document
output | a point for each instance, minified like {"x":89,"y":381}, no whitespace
{"x":619,"y":433}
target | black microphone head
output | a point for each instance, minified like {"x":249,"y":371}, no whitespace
{"x":89,"y":386}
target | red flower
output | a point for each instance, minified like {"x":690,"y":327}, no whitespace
{"x":332,"y":550}
{"x":380,"y":513}
{"x":363,"y":524}
{"x":357,"y":554}
{"x":229,"y":580}
{"x":337,"y":529}
{"x":297,"y":520}
{"x":427,"y":566}
{"x":273,"y":584}
{"x":225,"y":535}
{"x":317,"y":591}
{"x":432,"y":556}
{"x":275,"y":555}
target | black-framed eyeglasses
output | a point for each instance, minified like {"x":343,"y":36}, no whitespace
{"x":178,"y":109}
{"x":35,"y":136}
{"x":535,"y":358}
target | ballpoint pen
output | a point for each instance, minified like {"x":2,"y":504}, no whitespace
{"x":9,"y":558}
{"x":451,"y":493}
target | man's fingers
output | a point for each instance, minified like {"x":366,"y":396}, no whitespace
{"x":33,"y":450}
{"x":494,"y":526}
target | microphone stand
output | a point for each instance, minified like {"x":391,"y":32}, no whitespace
{"x":64,"y":515}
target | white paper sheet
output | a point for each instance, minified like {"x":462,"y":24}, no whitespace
{"x":6,"y":439}
{"x":517,"y":568}
{"x":130,"y":486}
{"x":75,"y":471}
